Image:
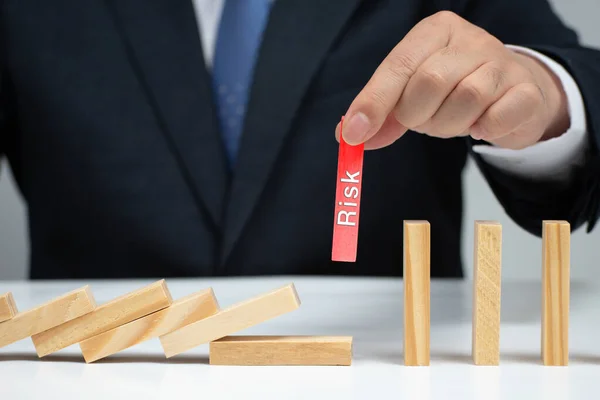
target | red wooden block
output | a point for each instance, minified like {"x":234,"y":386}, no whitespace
{"x":347,"y":200}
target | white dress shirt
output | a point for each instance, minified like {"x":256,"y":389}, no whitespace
{"x":551,"y":159}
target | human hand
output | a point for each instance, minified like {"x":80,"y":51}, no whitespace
{"x":450,"y":78}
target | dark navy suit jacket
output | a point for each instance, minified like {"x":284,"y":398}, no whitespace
{"x":108,"y":122}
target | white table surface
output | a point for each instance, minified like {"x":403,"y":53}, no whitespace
{"x":370,"y":310}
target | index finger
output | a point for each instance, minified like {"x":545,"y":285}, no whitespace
{"x":377,"y":99}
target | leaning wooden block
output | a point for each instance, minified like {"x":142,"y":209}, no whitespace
{"x":181,"y":313}
{"x":233,"y":319}
{"x":47,"y":316}
{"x":556,"y":243}
{"x":281,"y":350}
{"x":8,"y":308}
{"x":117,"y":312}
{"x":487,"y":259}
{"x":416,"y":292}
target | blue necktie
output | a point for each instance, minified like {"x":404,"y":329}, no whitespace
{"x":238,"y":40}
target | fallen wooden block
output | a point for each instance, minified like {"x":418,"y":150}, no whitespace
{"x":117,"y":312}
{"x":181,"y":313}
{"x":487,"y":261}
{"x":416,"y":293}
{"x":556,"y":243}
{"x":281,"y":350}
{"x":233,"y":319}
{"x":47,"y":316}
{"x":8,"y":308}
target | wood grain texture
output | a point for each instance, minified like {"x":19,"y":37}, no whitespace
{"x":281,"y":350}
{"x":110,"y":315}
{"x":231,"y":320}
{"x":487,"y":267}
{"x":556,"y":244}
{"x":416,"y":293}
{"x":181,"y":313}
{"x":47,"y":316}
{"x":8,"y":307}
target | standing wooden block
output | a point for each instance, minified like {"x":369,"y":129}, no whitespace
{"x":181,"y":313}
{"x":8,"y":308}
{"x":233,"y":319}
{"x":556,"y":238}
{"x":487,"y":259}
{"x":281,"y":350}
{"x":117,"y":312}
{"x":416,"y":292}
{"x":47,"y":316}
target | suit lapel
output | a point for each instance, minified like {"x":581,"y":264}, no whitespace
{"x":164,"y":46}
{"x":295,"y":42}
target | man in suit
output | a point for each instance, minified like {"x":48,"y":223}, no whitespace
{"x":160,"y":138}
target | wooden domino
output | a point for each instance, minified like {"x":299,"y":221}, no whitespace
{"x":230,"y":320}
{"x":8,"y":308}
{"x":487,"y":262}
{"x":117,"y":312}
{"x":556,"y":242}
{"x":416,"y":293}
{"x":53,"y":313}
{"x":195,"y":320}
{"x":281,"y":350}
{"x":181,"y":313}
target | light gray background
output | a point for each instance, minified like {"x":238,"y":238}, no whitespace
{"x":521,"y":252}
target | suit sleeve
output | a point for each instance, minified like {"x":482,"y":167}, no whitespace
{"x":535,"y":25}
{"x":4,"y":112}
{"x":8,"y":106}
{"x":6,"y":119}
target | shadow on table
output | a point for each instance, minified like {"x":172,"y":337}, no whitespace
{"x":584,"y":359}
{"x":505,"y":358}
{"x":396,"y":357}
{"x":117,"y":359}
{"x":520,"y":358}
{"x":536,"y":359}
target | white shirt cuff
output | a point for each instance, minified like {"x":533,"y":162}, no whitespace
{"x":553,"y":158}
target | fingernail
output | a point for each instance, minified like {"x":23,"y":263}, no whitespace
{"x":476,"y":132}
{"x":356,"y":129}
